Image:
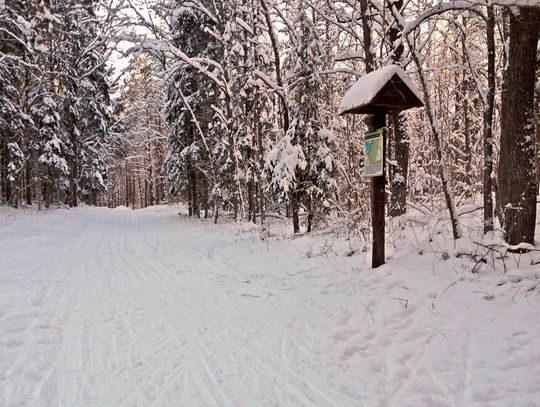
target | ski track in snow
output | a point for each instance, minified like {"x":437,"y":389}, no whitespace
{"x":104,"y":308}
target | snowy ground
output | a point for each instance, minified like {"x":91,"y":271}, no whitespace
{"x":113,"y":308}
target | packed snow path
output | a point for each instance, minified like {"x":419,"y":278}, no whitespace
{"x":112,"y":308}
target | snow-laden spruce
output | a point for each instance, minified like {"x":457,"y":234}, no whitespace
{"x":301,"y":169}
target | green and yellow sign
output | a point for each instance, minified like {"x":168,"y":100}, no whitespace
{"x":374,"y":153}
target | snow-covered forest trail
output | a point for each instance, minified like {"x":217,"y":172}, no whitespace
{"x":117,"y":309}
{"x":111,"y":308}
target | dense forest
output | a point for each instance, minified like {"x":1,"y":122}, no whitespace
{"x":231,"y":106}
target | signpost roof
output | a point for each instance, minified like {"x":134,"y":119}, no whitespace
{"x":385,"y":90}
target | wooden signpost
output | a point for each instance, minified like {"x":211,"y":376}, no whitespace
{"x":376,"y":94}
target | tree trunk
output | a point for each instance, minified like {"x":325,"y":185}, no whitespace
{"x":15,"y":196}
{"x":398,"y":183}
{"x":537,"y":125}
{"x":94,"y":197}
{"x":74,"y":173}
{"x":537,"y":121}
{"x":310,"y":215}
{"x":517,"y":173}
{"x":194,"y":193}
{"x":126,"y":185}
{"x":150,"y":180}
{"x":295,"y":207}
{"x":205,"y":198}
{"x":141,"y":191}
{"x":46,"y":191}
{"x":400,"y":173}
{"x":366,"y":32}
{"x":439,"y":149}
{"x":216,"y":213}
{"x":7,"y":181}
{"x":250,"y":189}
{"x":28,"y":186}
{"x":133,"y":196}
{"x":277,"y":64}
{"x":73,"y":184}
{"x":3,"y":171}
{"x":488,"y":123}
{"x":465,"y":86}
{"x":260,"y":181}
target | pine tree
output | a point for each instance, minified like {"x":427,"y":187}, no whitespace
{"x":53,"y":146}
{"x":85,"y":93}
{"x":189,"y":111}
{"x":247,"y":59}
{"x":301,"y":167}
{"x":15,"y":47}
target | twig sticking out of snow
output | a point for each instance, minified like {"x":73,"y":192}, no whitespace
{"x":403,"y":301}
{"x":370,"y":313}
{"x":449,"y":285}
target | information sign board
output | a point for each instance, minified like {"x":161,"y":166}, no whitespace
{"x":374,"y":153}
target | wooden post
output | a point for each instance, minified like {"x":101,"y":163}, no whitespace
{"x":386,"y":90}
{"x":378,"y":203}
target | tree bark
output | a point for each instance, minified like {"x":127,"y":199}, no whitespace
{"x":47,"y":189}
{"x":295,"y":207}
{"x":310,"y":215}
{"x":28,"y":186}
{"x":189,"y":190}
{"x":194,"y":193}
{"x":488,"y":123}
{"x":73,"y":184}
{"x":126,"y":184}
{"x":277,"y":64}
{"x":465,"y":87}
{"x":537,"y":125}
{"x":366,"y":32}
{"x":439,"y":149}
{"x":400,"y":173}
{"x":260,"y":152}
{"x":3,"y":171}
{"x":517,"y":173}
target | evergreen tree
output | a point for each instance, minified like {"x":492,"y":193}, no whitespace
{"x":53,"y":146}
{"x":189,"y":111}
{"x":301,"y":168}
{"x":15,"y":34}
{"x":85,"y":92}
{"x":246,"y":60}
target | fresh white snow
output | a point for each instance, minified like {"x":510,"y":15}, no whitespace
{"x":114,"y":308}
